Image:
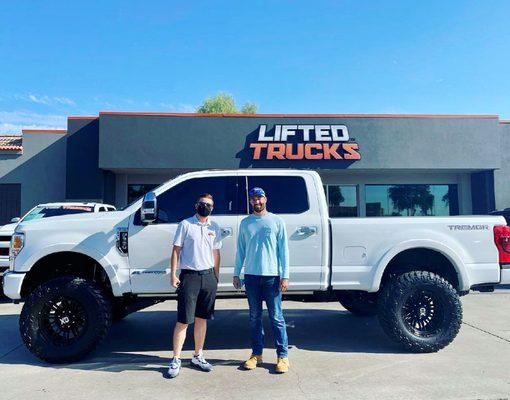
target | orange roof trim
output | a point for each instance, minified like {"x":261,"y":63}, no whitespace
{"x":44,"y":130}
{"x":80,"y":117}
{"x":171,"y":114}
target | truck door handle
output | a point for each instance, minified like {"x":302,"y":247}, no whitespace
{"x":307,"y":230}
{"x":226,"y":232}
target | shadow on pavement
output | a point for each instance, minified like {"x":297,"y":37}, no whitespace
{"x":151,"y":331}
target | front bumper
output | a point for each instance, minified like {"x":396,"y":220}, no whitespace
{"x":4,"y":261}
{"x":3,"y":270}
{"x":12,"y":284}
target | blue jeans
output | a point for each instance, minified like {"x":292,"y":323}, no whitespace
{"x":266,"y":288}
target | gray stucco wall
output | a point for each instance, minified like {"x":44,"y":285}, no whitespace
{"x":150,"y":149}
{"x":41,"y":169}
{"x":222,"y":142}
{"x":502,"y":175}
{"x":85,"y":181}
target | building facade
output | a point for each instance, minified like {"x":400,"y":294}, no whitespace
{"x":371,"y":165}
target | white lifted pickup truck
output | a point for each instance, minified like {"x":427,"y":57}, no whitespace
{"x":77,"y":273}
{"x":41,"y":211}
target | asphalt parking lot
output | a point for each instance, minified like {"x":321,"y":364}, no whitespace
{"x":333,"y":355}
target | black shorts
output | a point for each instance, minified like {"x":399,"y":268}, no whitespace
{"x":196,"y":295}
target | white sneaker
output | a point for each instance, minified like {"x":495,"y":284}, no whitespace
{"x":199,"y":362}
{"x":174,"y":368}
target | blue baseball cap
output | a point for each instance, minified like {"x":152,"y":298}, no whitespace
{"x":256,"y":191}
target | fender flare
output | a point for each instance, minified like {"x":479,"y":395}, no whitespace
{"x":100,"y":258}
{"x":429,"y":244}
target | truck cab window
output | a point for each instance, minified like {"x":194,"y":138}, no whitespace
{"x":285,"y":194}
{"x":178,"y":202}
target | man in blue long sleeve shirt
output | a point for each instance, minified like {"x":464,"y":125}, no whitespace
{"x":263,"y":251}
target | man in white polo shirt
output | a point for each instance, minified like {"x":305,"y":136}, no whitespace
{"x":196,"y":251}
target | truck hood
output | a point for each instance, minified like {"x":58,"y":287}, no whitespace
{"x":72,"y":221}
{"x":8,"y":229}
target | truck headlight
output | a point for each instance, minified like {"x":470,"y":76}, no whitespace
{"x":17,"y":243}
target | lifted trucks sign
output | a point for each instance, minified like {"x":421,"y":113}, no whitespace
{"x":304,"y":142}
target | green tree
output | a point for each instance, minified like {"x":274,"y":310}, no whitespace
{"x":249,"y":108}
{"x":224,"y":103}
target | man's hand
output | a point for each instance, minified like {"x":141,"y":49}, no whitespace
{"x":236,"y":282}
{"x":174,"y":281}
{"x":284,"y":284}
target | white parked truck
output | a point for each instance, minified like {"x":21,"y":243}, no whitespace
{"x":42,"y":211}
{"x":77,"y":273}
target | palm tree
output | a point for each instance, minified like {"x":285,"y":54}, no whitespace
{"x":410,"y":197}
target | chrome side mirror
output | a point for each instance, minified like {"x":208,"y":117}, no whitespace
{"x":149,"y":209}
{"x":16,"y":219}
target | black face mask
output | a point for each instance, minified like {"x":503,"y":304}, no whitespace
{"x":204,"y":209}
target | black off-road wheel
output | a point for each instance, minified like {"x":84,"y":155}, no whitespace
{"x":420,"y":310}
{"x":65,"y":319}
{"x":358,"y":302}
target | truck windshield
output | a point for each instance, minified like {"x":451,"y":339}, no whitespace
{"x":54,"y":211}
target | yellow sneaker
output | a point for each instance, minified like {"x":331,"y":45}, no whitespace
{"x":251,"y":363}
{"x":282,"y":365}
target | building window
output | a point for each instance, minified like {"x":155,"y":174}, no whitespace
{"x":342,"y":200}
{"x":135,"y":191}
{"x":411,"y":200}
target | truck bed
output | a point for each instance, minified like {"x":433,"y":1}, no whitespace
{"x":362,"y":247}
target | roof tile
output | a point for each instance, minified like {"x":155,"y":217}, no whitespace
{"x":11,"y":143}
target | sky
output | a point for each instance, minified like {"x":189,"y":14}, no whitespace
{"x":61,"y":58}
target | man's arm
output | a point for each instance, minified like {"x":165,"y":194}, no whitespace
{"x":216,"y":255}
{"x":283,"y":256}
{"x":174,"y":260}
{"x":176,"y":251}
{"x":217,"y":245}
{"x":240,"y":256}
{"x":241,"y":252}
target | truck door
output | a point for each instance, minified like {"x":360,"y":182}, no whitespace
{"x":287,"y":196}
{"x":150,"y":246}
